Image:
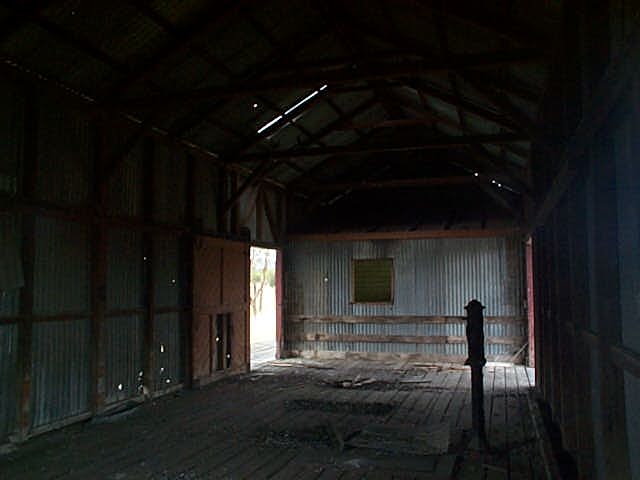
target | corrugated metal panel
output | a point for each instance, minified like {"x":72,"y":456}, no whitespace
{"x":433,"y":276}
{"x":11,"y":274}
{"x":8,"y":379}
{"x":11,"y":127}
{"x":60,"y":370}
{"x":632,"y":393}
{"x":123,"y":337}
{"x":9,"y":303}
{"x":168,"y":345}
{"x":206,"y":181}
{"x":166,"y":257}
{"x":125,"y":187}
{"x":170,"y":186}
{"x":124,"y":270}
{"x":63,"y":155}
{"x":61,"y":275}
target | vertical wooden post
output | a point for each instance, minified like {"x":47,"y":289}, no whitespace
{"x":566,"y":337}
{"x":98,"y":271}
{"x":221,"y":198}
{"x":187,"y":244}
{"x":581,"y":320}
{"x":148,"y":258}
{"x":25,"y":327}
{"x":281,"y":216}
{"x":477,"y":361}
{"x":260,"y":213}
{"x":530,"y":302}
{"x":233,"y":215}
{"x":279,"y":304}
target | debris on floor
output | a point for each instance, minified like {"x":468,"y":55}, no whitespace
{"x":355,"y":383}
{"x":351,"y":408}
{"x":404,"y":439}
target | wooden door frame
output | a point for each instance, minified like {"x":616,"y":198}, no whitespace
{"x":279,"y":295}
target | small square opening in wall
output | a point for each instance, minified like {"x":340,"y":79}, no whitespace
{"x":372,"y":280}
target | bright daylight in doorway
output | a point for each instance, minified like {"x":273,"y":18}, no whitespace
{"x":263,"y":305}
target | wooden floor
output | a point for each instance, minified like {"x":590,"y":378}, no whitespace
{"x":299,"y":419}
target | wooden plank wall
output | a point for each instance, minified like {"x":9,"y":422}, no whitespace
{"x":429,"y":338}
{"x":221,"y":288}
{"x":585,"y":241}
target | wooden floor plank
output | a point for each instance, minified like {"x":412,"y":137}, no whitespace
{"x":230,"y":429}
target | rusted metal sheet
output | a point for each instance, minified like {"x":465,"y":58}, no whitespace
{"x":432,"y":276}
{"x":63,"y":154}
{"x":60,"y":371}
{"x":123,"y":346}
{"x":8,"y":379}
{"x":125,"y":264}
{"x":169,"y":352}
{"x":61,"y":277}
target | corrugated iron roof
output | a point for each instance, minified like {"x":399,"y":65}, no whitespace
{"x":128,"y":50}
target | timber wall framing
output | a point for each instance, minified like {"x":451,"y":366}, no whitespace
{"x":586,"y":239}
{"x":97,"y":221}
{"x":434,"y":279}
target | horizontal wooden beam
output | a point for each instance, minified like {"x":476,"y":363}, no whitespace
{"x":337,"y":77}
{"x":444,"y":142}
{"x":401,"y":183}
{"x":406,"y":235}
{"x":403,"y":319}
{"x":419,"y":339}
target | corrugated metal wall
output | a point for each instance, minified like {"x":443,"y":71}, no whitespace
{"x":61,"y":275}
{"x":123,"y":334}
{"x":64,"y":163}
{"x":168,"y":342}
{"x":60,"y":371}
{"x":432,"y":276}
{"x":8,"y":378}
{"x":61,"y":146}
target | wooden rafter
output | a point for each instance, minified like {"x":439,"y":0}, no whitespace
{"x":444,"y":142}
{"x":400,"y":183}
{"x":183,"y":39}
{"x":337,"y":77}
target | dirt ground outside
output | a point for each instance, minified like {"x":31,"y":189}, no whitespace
{"x":263,"y":329}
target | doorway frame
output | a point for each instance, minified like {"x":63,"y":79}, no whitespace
{"x":279,"y":288}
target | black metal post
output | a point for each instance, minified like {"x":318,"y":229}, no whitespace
{"x":477,"y":360}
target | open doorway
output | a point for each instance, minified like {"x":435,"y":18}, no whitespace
{"x":263,"y":307}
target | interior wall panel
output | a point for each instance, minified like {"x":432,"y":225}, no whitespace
{"x":64,"y":145}
{"x":168,"y":344}
{"x":61,"y":275}
{"x":8,"y":379}
{"x":125,"y":264}
{"x":60,"y":371}
{"x":124,"y":361}
{"x":444,"y":273}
